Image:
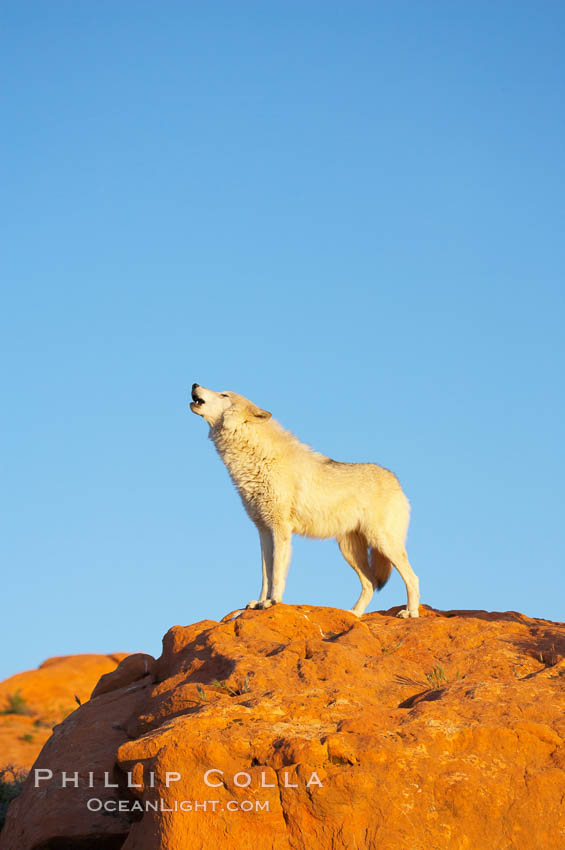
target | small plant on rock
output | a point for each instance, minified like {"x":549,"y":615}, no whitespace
{"x":436,"y":677}
{"x":231,"y":690}
{"x":201,"y":693}
{"x":16,"y":704}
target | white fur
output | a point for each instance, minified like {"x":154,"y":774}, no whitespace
{"x":286,"y":488}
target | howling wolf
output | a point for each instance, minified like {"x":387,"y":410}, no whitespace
{"x":286,"y":488}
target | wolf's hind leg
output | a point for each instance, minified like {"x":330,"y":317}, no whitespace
{"x":353,"y":547}
{"x":397,"y":554}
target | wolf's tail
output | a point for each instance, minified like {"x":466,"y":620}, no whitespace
{"x":382,"y":568}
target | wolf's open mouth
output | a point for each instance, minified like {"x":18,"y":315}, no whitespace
{"x":197,"y":401}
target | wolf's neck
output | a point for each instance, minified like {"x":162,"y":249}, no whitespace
{"x":235,"y":444}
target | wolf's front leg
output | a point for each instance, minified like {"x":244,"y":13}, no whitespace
{"x":281,"y":560}
{"x":266,"y":539}
{"x":278,"y":555}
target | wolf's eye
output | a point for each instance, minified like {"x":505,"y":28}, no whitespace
{"x":224,"y":395}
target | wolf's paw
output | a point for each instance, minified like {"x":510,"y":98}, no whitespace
{"x":405,"y":614}
{"x":266,"y":603}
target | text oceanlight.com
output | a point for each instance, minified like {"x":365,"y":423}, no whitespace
{"x":160,"y":805}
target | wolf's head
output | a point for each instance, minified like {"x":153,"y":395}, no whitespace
{"x":225,"y":409}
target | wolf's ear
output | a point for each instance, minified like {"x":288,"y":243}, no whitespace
{"x":257,"y":413}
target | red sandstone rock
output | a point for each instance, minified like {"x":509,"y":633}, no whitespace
{"x":44,"y":697}
{"x":442,"y":732}
{"x":130,"y":670}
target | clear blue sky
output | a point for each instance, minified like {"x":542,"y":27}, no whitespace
{"x":351,"y":213}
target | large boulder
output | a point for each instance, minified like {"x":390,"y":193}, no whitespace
{"x":303,"y":727}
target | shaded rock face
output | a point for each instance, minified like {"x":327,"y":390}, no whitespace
{"x":317,"y":730}
{"x":31,"y":703}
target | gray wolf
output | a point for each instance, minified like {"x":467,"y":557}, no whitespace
{"x":287,"y":488}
